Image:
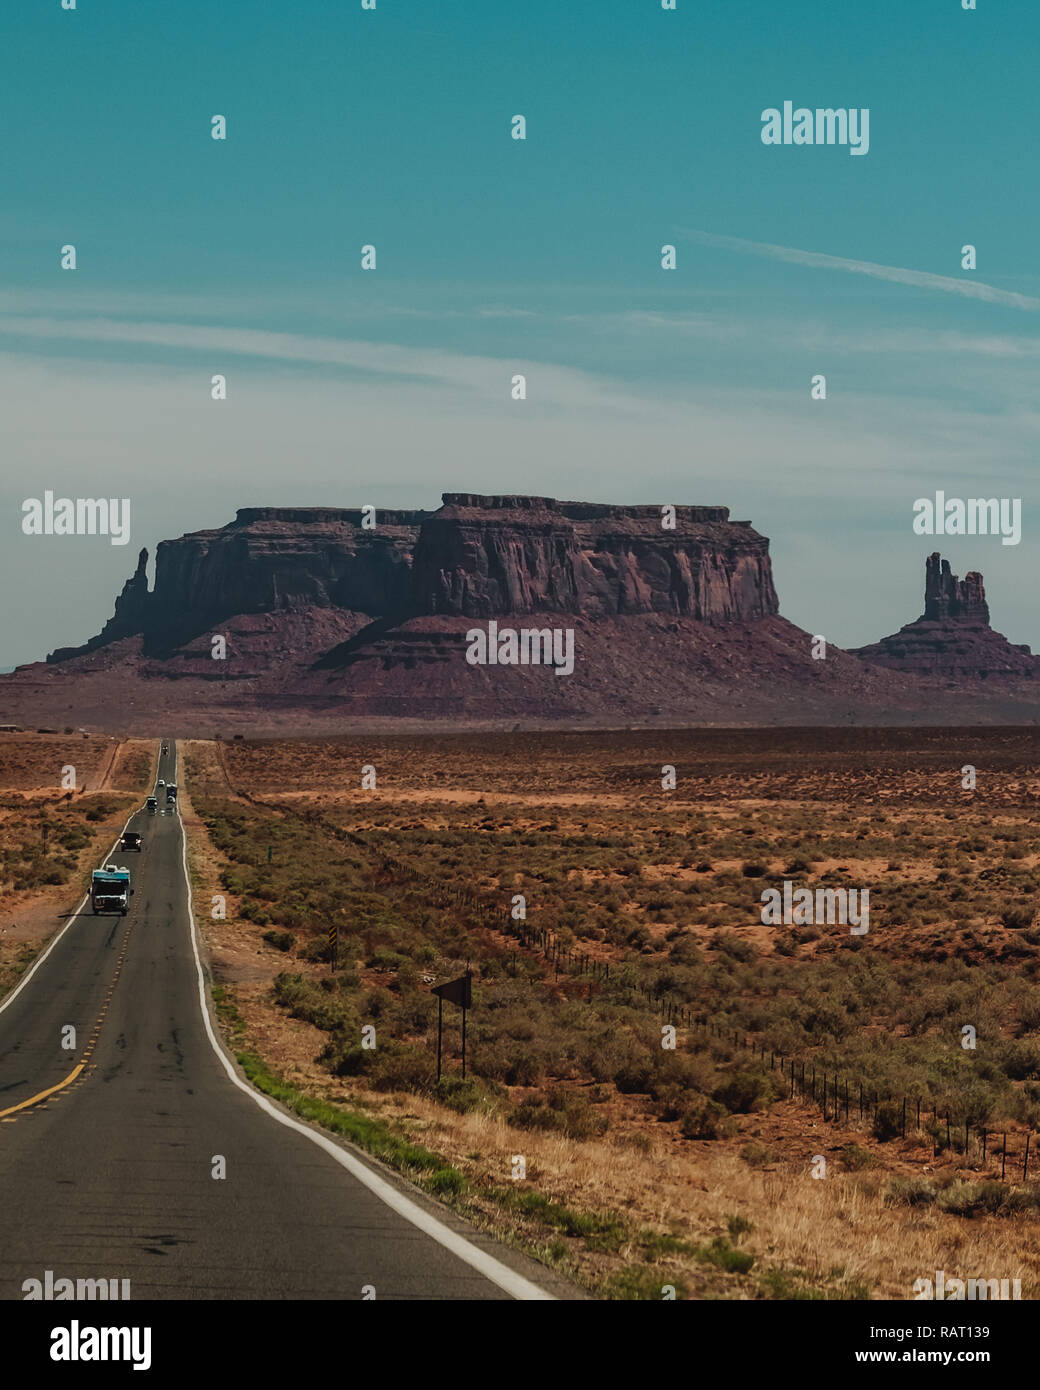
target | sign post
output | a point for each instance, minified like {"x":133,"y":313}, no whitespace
{"x":459,"y":992}
{"x":333,"y":944}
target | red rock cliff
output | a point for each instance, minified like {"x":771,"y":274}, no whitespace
{"x":952,"y":638}
{"x":481,"y":556}
{"x":475,"y":557}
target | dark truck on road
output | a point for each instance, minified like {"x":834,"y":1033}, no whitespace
{"x":131,"y":840}
{"x":152,"y":804}
{"x":171,"y":793}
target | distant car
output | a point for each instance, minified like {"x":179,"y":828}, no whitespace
{"x":153,"y":805}
{"x":161,"y":782}
{"x":165,"y":750}
{"x":131,"y":840}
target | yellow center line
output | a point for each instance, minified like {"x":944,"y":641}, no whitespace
{"x":42,"y":1095}
{"x":74,"y":1073}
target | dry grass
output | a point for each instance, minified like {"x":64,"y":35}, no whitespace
{"x":570,"y":817}
{"x":33,"y":762}
{"x":51,"y":837}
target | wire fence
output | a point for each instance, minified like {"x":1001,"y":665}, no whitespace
{"x":840,"y":1098}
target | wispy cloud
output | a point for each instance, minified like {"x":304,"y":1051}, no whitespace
{"x":329,"y":438}
{"x":489,"y":377}
{"x":488,"y":311}
{"x":921,"y":342}
{"x":920,"y":279}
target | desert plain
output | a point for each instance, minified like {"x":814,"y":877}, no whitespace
{"x":629,"y":1112}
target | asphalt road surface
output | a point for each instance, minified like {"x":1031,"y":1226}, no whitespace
{"x":111,"y":1175}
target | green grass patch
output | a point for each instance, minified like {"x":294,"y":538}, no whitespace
{"x":600,"y":1230}
{"x":372,"y":1135}
{"x":723,"y":1256}
{"x":642,"y":1283}
{"x":227,"y":1012}
{"x":653,"y":1244}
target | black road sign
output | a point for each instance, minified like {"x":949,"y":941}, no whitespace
{"x":459,"y":992}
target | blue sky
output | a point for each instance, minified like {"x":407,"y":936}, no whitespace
{"x":494,"y":256}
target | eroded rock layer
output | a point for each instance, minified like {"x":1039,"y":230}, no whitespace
{"x":475,"y":557}
{"x":952,"y":637}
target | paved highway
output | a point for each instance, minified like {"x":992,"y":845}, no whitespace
{"x":110,"y":1175}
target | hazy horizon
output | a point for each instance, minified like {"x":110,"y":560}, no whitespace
{"x":915,"y":600}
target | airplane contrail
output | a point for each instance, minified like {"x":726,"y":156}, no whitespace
{"x":921,"y":279}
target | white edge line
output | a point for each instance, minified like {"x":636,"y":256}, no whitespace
{"x":82,"y":903}
{"x":499,"y":1273}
